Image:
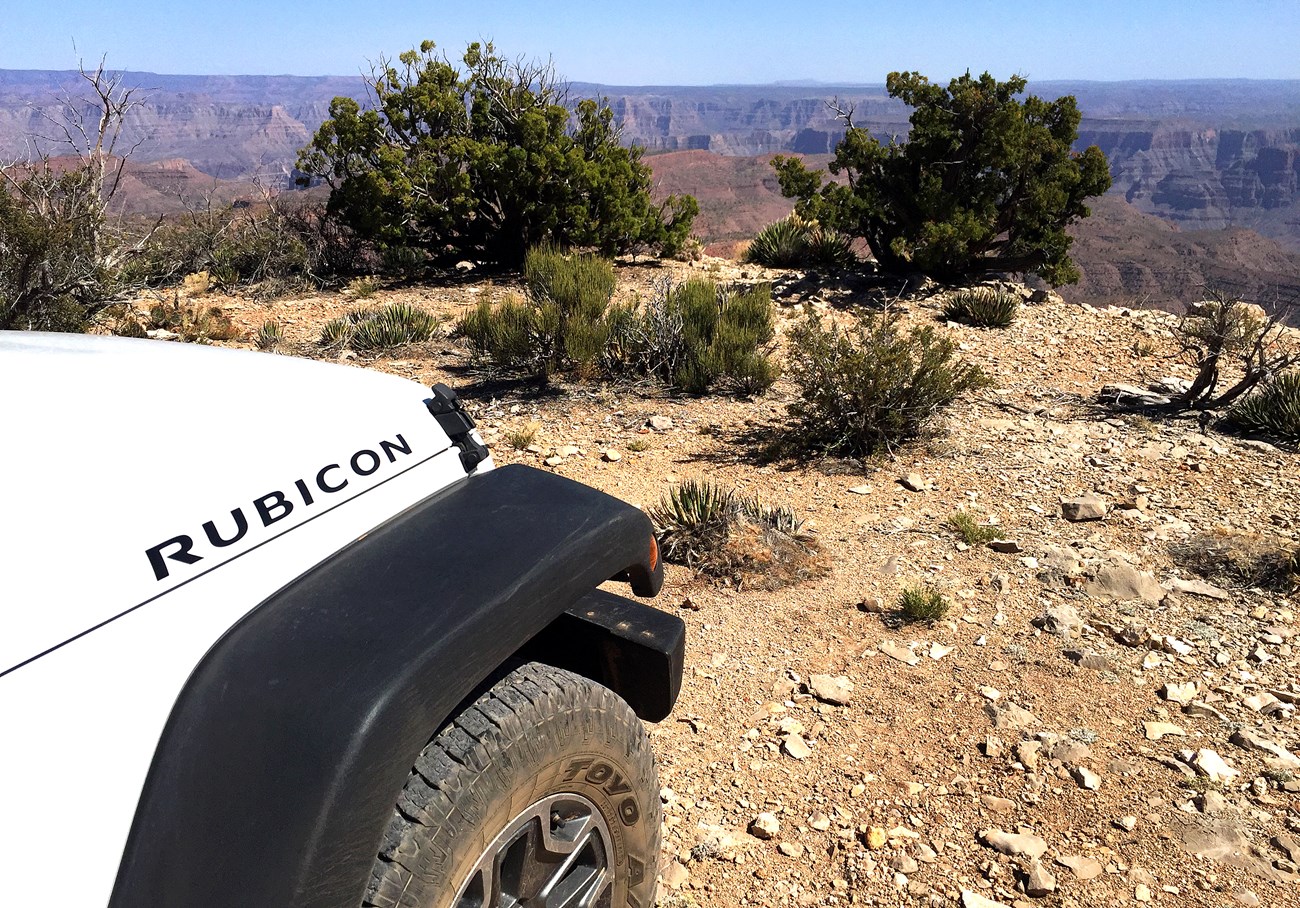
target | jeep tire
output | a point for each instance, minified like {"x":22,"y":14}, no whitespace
{"x":543,"y":792}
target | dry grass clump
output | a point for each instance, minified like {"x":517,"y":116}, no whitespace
{"x":735,"y":538}
{"x":1241,"y":559}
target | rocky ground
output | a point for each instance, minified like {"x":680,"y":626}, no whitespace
{"x":1091,"y":724}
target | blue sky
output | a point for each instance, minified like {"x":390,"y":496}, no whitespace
{"x":674,"y":42}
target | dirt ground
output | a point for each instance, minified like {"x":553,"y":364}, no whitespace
{"x":1028,"y":708}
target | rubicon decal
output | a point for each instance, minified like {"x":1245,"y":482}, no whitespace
{"x":272,"y":507}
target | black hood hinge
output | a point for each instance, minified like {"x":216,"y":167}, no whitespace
{"x":446,"y":408}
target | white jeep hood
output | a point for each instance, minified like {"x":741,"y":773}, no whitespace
{"x":132,"y":467}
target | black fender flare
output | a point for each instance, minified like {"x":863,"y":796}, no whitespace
{"x":282,"y":758}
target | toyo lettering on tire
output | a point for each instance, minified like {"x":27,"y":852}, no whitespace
{"x":541,"y":792}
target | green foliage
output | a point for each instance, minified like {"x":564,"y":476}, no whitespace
{"x":871,"y":388}
{"x":394,"y":325}
{"x":53,"y":269}
{"x":484,"y":163}
{"x":794,"y":243}
{"x":270,"y":335}
{"x":1273,"y":409}
{"x":983,"y":307}
{"x":690,"y":336}
{"x":983,"y":183}
{"x":697,"y":337}
{"x":721,"y":533}
{"x":972,"y":533}
{"x":922,"y":604}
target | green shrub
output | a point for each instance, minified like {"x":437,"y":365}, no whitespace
{"x":394,"y":325}
{"x":560,"y":326}
{"x":690,"y":336}
{"x":873,"y":387}
{"x":696,"y":337}
{"x":972,"y":533}
{"x":1272,"y":410}
{"x":723,"y":534}
{"x":922,"y":604}
{"x":270,"y":335}
{"x":983,"y":307}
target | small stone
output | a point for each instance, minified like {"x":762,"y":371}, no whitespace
{"x":1212,"y":803}
{"x":877,"y":838}
{"x":1084,"y":507}
{"x":795,"y":746}
{"x":1086,"y":778}
{"x":1157,"y":730}
{"x":611,"y":455}
{"x":553,"y":461}
{"x":1180,"y":693}
{"x":1041,"y":882}
{"x":1128,"y":823}
{"x":836,"y":689}
{"x":1088,"y":659}
{"x":904,"y":863}
{"x":1260,"y":702}
{"x":567,"y":450}
{"x":938,"y":651}
{"x":1248,"y":740}
{"x":861,"y":490}
{"x":1196,"y":588}
{"x":464,"y":267}
{"x":901,"y":653}
{"x":675,"y":875}
{"x":990,"y":693}
{"x":1006,"y":546}
{"x":1204,"y":711}
{"x":1016,"y":844}
{"x":819,"y":822}
{"x":659,"y":423}
{"x":1083,"y":868}
{"x":1027,"y":754}
{"x":1124,"y":582}
{"x":913,"y":482}
{"x":790,"y":849}
{"x":765,"y":826}
{"x":1009,"y":716}
{"x":1212,"y":766}
{"x":996,"y":804}
{"x":1142,"y":892}
{"x":972,"y":899}
{"x":1062,"y":620}
{"x":873,"y":605}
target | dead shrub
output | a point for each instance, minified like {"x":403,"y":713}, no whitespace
{"x":1241,"y":559}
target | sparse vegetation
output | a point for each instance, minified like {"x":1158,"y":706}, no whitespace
{"x":983,"y":182}
{"x":1272,"y":410}
{"x":521,"y":437}
{"x":363,"y":288}
{"x":733,"y":537}
{"x":194,"y":322}
{"x":1241,"y":559}
{"x":1226,"y":334}
{"x":383,"y":328}
{"x":870,"y":389}
{"x":984,"y":307}
{"x":922,"y":603}
{"x":972,"y":532}
{"x":638,"y":446}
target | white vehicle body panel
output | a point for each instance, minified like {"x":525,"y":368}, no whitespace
{"x":113,"y":448}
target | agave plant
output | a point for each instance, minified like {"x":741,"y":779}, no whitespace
{"x":783,"y":244}
{"x":983,"y":307}
{"x":270,"y":335}
{"x":1272,"y":410}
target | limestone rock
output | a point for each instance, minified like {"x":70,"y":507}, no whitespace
{"x":1062,"y":620}
{"x":611,"y":455}
{"x":1009,"y":716}
{"x":795,"y":746}
{"x":765,"y":826}
{"x":913,"y":482}
{"x":675,"y":875}
{"x":1083,"y":868}
{"x":1083,"y":507}
{"x":1124,"y":582}
{"x":1086,"y":778}
{"x":1041,"y":882}
{"x":836,"y":689}
{"x":1157,"y":730}
{"x":1212,"y":766}
{"x":790,"y":849}
{"x":1181,"y":693}
{"x":972,"y":899}
{"x":1195,"y":587}
{"x":1015,"y":843}
{"x":660,"y":423}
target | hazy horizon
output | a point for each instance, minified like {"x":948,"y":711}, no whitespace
{"x":755,"y":43}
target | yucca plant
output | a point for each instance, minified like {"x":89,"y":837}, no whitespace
{"x":721,"y":533}
{"x":827,"y":248}
{"x":270,"y":335}
{"x":1272,"y":410}
{"x":782,"y":244}
{"x":983,"y":307}
{"x":393,"y":325}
